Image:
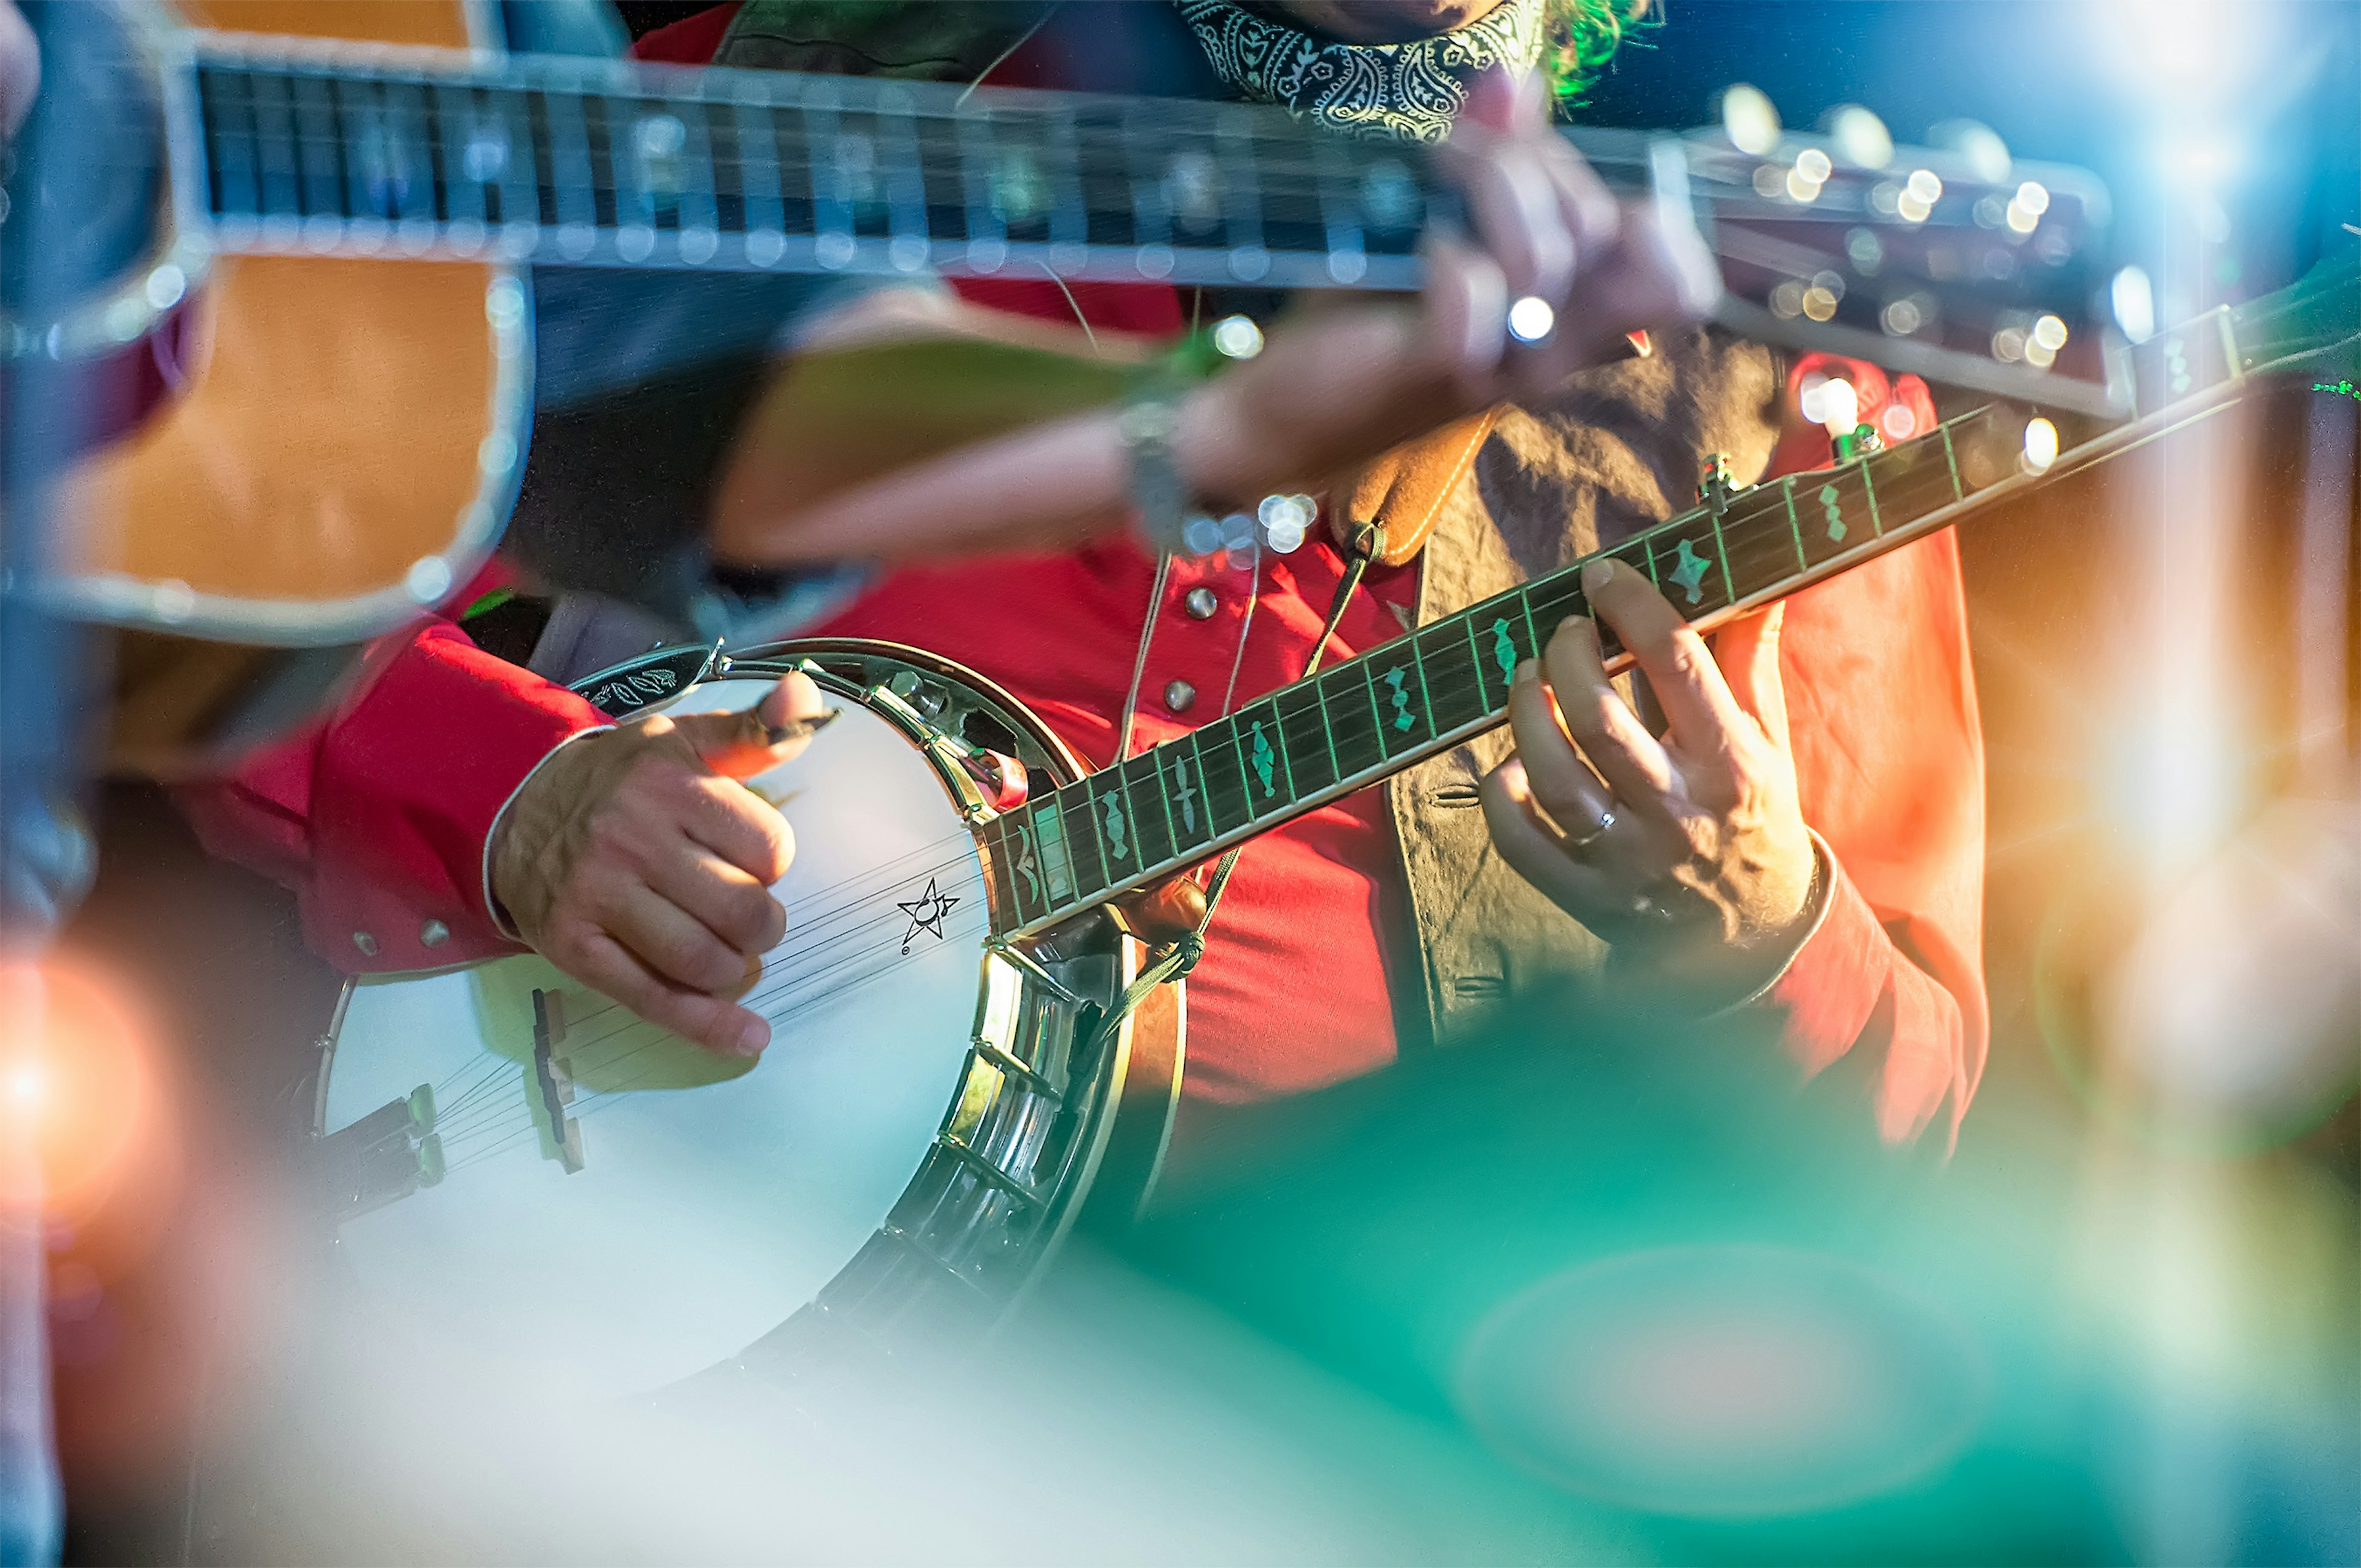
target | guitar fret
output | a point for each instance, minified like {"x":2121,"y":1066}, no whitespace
{"x":320,"y":148}
{"x":1080,"y":813}
{"x":911,"y":240}
{"x":465,"y":193}
{"x":1795,"y":528}
{"x":1227,"y":807}
{"x":229,"y":152}
{"x":1303,"y":735}
{"x":1056,"y":863}
{"x":1141,"y":782}
{"x":761,"y":191}
{"x":1352,"y":718}
{"x":700,"y":192}
{"x":1455,"y":679}
{"x":1242,"y":214}
{"x":995,"y":835}
{"x":1759,"y":543}
{"x":276,"y":154}
{"x":572,"y":184}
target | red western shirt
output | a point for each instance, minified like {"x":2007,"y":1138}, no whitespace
{"x":378,"y":816}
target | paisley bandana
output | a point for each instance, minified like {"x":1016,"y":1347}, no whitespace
{"x":1406,"y":91}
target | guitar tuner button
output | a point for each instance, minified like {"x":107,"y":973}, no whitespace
{"x":1200,"y":604}
{"x":1179,"y":697}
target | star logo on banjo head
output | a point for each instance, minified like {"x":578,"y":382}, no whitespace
{"x":927,"y":913}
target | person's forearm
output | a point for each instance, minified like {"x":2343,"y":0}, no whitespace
{"x":824,"y":472}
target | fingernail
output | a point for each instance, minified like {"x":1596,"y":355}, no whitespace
{"x":753,"y":1037}
{"x":1597,"y":575}
{"x":797,"y":728}
{"x":1527,"y":671}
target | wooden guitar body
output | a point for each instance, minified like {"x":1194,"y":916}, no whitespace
{"x":340,"y":438}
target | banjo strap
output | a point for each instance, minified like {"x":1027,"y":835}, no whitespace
{"x":1174,"y":960}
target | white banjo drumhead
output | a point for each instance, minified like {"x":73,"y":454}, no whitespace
{"x":712,"y":1199}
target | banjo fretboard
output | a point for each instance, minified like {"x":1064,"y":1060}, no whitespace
{"x":1176,"y":804}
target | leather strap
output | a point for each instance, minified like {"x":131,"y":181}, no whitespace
{"x":1403,"y":491}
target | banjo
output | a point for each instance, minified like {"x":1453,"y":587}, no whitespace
{"x":508,"y":1148}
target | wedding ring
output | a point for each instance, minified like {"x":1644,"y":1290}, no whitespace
{"x":1606,"y":821}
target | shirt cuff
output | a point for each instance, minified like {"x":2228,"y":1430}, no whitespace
{"x":500,"y":917}
{"x":1820,"y":899}
{"x":1823,"y":999}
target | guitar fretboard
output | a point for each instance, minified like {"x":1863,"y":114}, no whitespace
{"x":559,"y":162}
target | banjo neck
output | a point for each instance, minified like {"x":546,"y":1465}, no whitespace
{"x":1131,"y":825}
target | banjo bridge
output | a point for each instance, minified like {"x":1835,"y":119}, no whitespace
{"x":553,"y":1083}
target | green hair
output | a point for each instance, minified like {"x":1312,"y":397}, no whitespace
{"x":1584,"y":36}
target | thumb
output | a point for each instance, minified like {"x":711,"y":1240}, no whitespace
{"x":758,"y":738}
{"x":1748,"y":652}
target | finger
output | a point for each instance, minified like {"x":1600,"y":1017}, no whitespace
{"x":776,"y":729}
{"x":722,"y":1027}
{"x":1557,"y":777}
{"x":1590,"y":213}
{"x":1532,"y":850}
{"x":670,"y":941}
{"x":1746,"y":652}
{"x":1679,"y":667}
{"x":736,"y":825}
{"x":725,"y":900}
{"x":1466,"y":311}
{"x":1635,"y":283}
{"x":1612,"y":738}
{"x":1513,"y":206}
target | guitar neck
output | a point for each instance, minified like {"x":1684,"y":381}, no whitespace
{"x":1359,"y":722}
{"x":554,"y":160}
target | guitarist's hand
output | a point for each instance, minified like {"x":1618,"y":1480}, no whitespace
{"x":1337,"y":386}
{"x":1689,"y":853}
{"x":635,"y":861}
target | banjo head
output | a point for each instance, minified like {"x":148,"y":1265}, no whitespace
{"x":604,"y":1207}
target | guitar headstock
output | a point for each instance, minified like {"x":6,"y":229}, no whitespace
{"x":1964,"y":267}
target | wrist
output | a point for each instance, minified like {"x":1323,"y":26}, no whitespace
{"x":497,"y":871}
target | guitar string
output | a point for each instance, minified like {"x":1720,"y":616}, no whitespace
{"x":1317,"y":174}
{"x":794,"y":993}
{"x":840,"y":948}
{"x":800,"y":922}
{"x":507,"y":1132}
{"x":801,"y":929}
{"x":808,"y":960}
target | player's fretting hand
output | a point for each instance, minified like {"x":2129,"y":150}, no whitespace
{"x":1688,"y":854}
